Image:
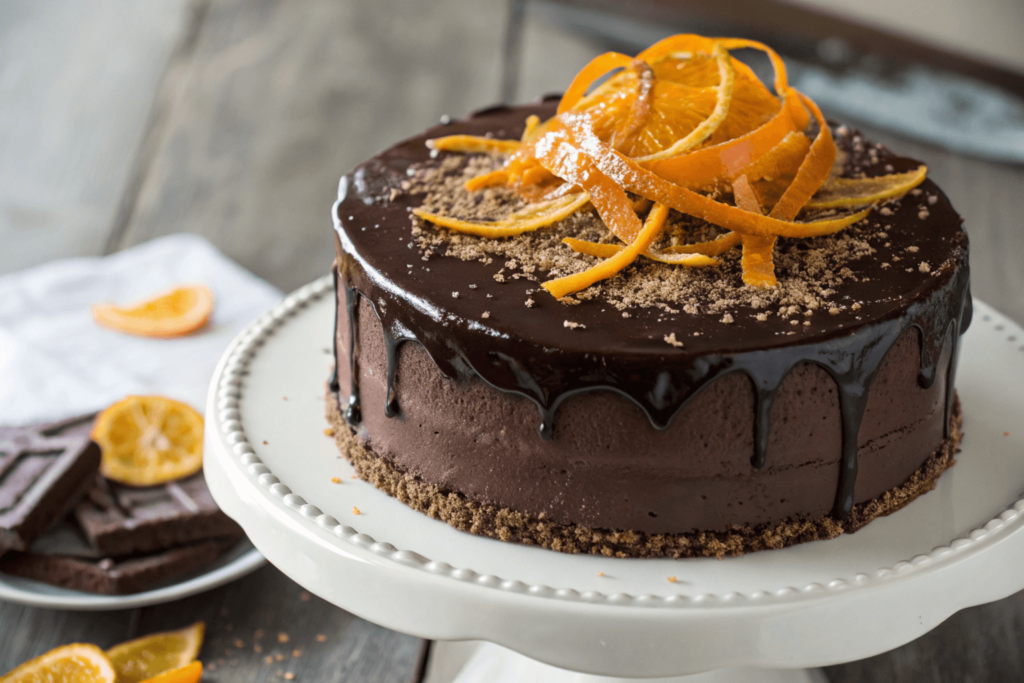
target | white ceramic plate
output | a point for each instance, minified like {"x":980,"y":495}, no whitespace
{"x":270,"y":467}
{"x":240,"y":560}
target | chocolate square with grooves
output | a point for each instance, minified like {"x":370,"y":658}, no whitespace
{"x":110,"y":577}
{"x":43,"y":470}
{"x":121,"y":520}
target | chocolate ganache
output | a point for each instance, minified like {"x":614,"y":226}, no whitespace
{"x":552,"y":354}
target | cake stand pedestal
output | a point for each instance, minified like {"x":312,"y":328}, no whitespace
{"x":271,"y":468}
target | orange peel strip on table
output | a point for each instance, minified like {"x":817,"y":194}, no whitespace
{"x":621,"y":138}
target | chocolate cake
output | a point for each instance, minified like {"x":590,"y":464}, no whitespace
{"x":663,"y":412}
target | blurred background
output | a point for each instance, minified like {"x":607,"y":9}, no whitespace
{"x":121,"y":121}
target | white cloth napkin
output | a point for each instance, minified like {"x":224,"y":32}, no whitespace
{"x":55,"y":362}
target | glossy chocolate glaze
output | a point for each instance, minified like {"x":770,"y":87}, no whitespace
{"x":531,"y":353}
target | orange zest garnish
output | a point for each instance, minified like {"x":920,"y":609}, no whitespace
{"x":75,"y":663}
{"x":172,"y":314}
{"x":472,"y":143}
{"x":681,"y":125}
{"x":597,"y":67}
{"x":533,"y":217}
{"x":492,"y":179}
{"x":149,"y":440}
{"x":573,"y":283}
{"x":842,"y":192}
{"x":143,"y":658}
{"x":190,"y":673}
{"x":758,"y":267}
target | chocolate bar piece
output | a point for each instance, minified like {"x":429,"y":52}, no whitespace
{"x":113,"y":577}
{"x":43,"y":470}
{"x":121,"y":520}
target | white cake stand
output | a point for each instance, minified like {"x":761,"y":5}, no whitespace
{"x":271,"y":467}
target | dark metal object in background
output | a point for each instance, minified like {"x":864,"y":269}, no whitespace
{"x":513,"y":50}
{"x":856,"y":72}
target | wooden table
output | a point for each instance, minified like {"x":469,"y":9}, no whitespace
{"x":123,"y":121}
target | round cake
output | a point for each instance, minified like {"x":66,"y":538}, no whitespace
{"x":663,"y":411}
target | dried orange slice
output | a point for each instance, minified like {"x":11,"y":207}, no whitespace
{"x":76,"y":663}
{"x":190,"y":673}
{"x":152,"y":655}
{"x":175,"y":313}
{"x":149,"y":440}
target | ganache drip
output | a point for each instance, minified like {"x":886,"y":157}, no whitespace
{"x":342,"y":277}
{"x":853,"y":362}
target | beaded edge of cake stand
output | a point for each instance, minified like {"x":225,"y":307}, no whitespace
{"x":241,"y":353}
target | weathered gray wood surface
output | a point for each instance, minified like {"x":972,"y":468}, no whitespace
{"x":234,"y":119}
{"x":244,"y":620}
{"x":278,"y":100}
{"x":76,"y":84}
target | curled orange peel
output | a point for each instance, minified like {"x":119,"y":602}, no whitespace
{"x":474,"y":144}
{"x":708,"y":166}
{"x":532,"y":121}
{"x":652,"y":227}
{"x":633,"y":178}
{"x":536,"y":216}
{"x":813,"y":171}
{"x":595,"y":69}
{"x":843,"y":192}
{"x":757,"y":261}
{"x":493,"y":179}
{"x":715,"y":247}
{"x":621,"y":138}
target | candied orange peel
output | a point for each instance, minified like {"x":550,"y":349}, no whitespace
{"x":682,"y":126}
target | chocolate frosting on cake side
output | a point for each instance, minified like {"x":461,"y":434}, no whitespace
{"x":834,"y":410}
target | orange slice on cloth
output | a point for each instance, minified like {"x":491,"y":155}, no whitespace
{"x":190,"y":673}
{"x":76,"y":663}
{"x":143,"y":658}
{"x":149,"y":440}
{"x":175,"y":313}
